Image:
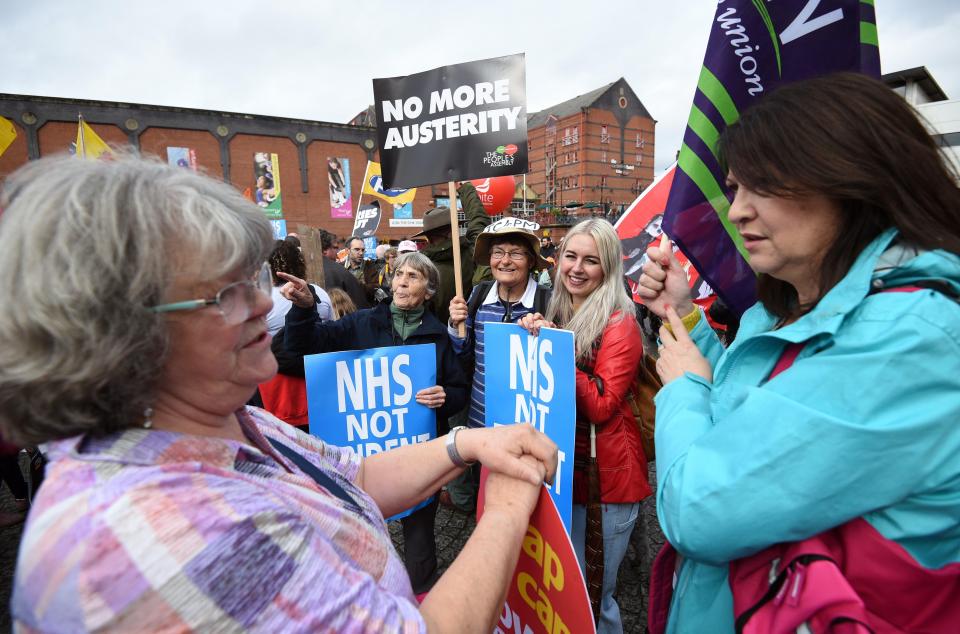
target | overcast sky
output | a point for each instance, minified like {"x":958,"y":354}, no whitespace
{"x":315,"y":59}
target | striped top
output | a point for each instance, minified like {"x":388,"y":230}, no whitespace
{"x":491,"y":309}
{"x":148,"y":529}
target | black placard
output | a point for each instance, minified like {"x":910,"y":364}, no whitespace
{"x":453,"y":123}
{"x":367,"y":221}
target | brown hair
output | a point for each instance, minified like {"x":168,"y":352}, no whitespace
{"x":853,"y":140}
{"x":286,"y":258}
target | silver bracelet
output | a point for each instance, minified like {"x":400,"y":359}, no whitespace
{"x":454,"y":455}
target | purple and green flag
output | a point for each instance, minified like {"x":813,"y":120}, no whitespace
{"x":754,"y":47}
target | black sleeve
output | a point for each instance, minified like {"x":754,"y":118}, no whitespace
{"x":288,"y":363}
{"x":304,"y":333}
{"x":453,"y":378}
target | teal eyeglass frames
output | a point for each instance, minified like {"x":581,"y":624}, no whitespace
{"x":235,"y":301}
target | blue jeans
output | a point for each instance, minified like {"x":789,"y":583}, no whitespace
{"x":618,"y":521}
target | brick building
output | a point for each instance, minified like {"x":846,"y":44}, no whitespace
{"x":224,"y":144}
{"x":590,"y":155}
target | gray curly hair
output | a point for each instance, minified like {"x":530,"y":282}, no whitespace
{"x":85,"y":248}
{"x":422,"y":265}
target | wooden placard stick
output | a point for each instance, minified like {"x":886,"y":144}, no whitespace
{"x":455,"y":244}
{"x":312,"y":249}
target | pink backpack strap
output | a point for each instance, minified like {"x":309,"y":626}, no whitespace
{"x":661,"y":588}
{"x":790,"y":354}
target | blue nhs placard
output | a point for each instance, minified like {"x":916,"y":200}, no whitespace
{"x":532,"y":379}
{"x":364,"y":399}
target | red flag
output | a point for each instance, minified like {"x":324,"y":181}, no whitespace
{"x":640,"y":226}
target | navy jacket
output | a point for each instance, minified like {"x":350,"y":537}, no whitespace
{"x":304,"y":333}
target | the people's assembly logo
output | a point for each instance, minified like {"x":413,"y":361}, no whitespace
{"x":501,"y":157}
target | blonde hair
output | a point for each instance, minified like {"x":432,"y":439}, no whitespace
{"x":341,"y":304}
{"x":589,"y":322}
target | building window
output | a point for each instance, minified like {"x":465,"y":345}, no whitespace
{"x":574,"y":157}
{"x":576,"y":134}
{"x":604,"y":136}
{"x":638,"y":159}
{"x":603,"y":156}
{"x":566,"y":136}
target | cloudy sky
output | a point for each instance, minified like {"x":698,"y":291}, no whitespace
{"x":315,"y":59}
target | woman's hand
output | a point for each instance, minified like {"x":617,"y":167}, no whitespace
{"x":533,"y":322}
{"x":458,"y":311}
{"x":502,"y":450}
{"x":432,"y":397}
{"x":516,"y":496}
{"x":664,"y":282}
{"x":296,"y":290}
{"x":678,"y":353}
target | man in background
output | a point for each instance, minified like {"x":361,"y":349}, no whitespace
{"x":363,"y":270}
{"x":336,"y":276}
{"x":436,"y":229}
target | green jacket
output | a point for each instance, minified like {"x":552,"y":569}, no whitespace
{"x":441,"y":254}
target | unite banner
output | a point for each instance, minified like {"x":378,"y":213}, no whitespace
{"x":453,"y":123}
{"x":535,"y":383}
{"x":754,"y":47}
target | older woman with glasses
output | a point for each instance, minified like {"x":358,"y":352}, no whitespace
{"x":133,"y":315}
{"x":511,"y":249}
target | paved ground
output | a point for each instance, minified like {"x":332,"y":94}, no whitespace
{"x":453,"y":529}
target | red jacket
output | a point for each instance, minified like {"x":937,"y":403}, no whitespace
{"x":286,"y":398}
{"x":623,"y":467}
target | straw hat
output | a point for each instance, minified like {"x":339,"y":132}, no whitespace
{"x":514,"y":227}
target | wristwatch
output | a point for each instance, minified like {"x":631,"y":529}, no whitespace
{"x":452,"y":452}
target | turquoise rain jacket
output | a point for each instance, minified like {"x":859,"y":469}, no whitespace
{"x":865,"y":423}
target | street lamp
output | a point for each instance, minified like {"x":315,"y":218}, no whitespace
{"x":601,"y":187}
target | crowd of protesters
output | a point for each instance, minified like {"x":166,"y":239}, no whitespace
{"x":815,"y":439}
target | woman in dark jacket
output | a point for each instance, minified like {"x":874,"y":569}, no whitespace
{"x":403,"y":321}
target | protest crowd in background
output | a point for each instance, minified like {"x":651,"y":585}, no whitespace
{"x":230,"y":420}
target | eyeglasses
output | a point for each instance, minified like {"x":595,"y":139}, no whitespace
{"x":516,"y":256}
{"x":236,"y":301}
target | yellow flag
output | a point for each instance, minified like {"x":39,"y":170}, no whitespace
{"x":7,"y":134}
{"x":89,"y":143}
{"x":374,"y":186}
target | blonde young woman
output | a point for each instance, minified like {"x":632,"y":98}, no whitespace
{"x":589,"y":298}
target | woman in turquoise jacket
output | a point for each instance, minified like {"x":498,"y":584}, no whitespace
{"x":865,"y":423}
